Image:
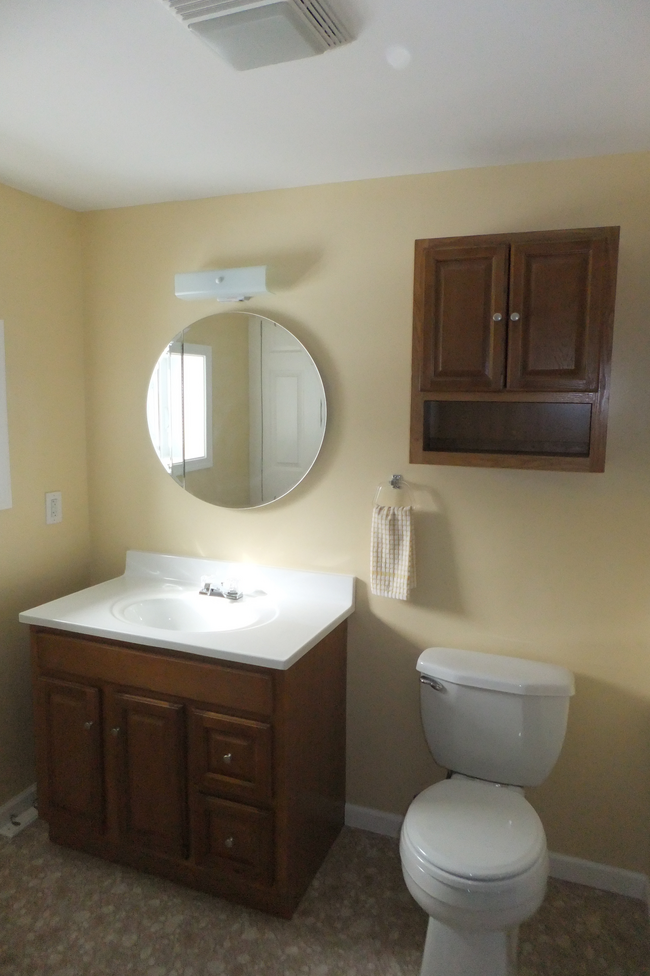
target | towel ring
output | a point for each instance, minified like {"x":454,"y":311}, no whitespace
{"x":397,"y":483}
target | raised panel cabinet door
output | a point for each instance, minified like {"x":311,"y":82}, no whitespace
{"x":460,"y":316}
{"x":69,"y":714}
{"x":233,"y":839}
{"x":557,"y":306}
{"x":147,"y":736}
{"x":231,"y":756}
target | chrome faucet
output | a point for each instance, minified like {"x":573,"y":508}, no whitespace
{"x":228,"y":589}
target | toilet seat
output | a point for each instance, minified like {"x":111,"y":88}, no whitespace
{"x":474,"y":851}
{"x":465,"y":830}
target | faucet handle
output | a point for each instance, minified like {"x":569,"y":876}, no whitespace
{"x":231,"y":589}
{"x":209,"y":587}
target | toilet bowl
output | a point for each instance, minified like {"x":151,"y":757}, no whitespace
{"x":473,"y":850}
{"x":474,"y":858}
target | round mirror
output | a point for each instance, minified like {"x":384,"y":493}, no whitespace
{"x":236,"y":410}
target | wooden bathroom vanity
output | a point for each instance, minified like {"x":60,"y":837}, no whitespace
{"x":224,"y":776}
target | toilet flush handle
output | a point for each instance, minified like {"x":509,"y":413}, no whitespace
{"x":436,"y":685}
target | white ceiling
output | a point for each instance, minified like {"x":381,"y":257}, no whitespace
{"x":107,"y":103}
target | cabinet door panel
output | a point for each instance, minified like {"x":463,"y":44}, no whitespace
{"x":72,"y":715}
{"x":149,"y":742}
{"x":232,"y":838}
{"x":461,"y":290}
{"x":231,"y":756}
{"x":556,"y":290}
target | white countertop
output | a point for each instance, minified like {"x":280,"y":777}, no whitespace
{"x":305,"y":607}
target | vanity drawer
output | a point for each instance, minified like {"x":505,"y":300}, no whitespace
{"x":232,"y":838}
{"x":226,"y":686}
{"x":231,"y":756}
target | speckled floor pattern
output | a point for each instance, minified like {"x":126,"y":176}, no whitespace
{"x":63,"y":913}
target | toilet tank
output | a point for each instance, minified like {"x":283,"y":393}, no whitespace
{"x":501,"y":719}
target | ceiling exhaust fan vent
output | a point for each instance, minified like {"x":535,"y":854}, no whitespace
{"x":253,"y":33}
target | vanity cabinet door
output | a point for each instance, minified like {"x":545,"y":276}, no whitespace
{"x":146,"y":738}
{"x":69,"y":742}
{"x":233,"y":839}
{"x":231,"y":756}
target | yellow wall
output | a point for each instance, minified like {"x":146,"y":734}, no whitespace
{"x":40,"y":302}
{"x":540,"y":564}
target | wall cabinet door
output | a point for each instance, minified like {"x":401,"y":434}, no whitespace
{"x":70,"y":739}
{"x":555,"y":314}
{"x":147,"y":739}
{"x":521,"y":315}
{"x":460,"y":315}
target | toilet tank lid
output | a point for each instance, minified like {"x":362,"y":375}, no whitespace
{"x":513,"y":675}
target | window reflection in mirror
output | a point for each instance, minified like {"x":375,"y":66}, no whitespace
{"x":236,"y":410}
{"x":179,"y":408}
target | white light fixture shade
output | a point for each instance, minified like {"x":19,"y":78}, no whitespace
{"x":253,"y":33}
{"x":227,"y":285}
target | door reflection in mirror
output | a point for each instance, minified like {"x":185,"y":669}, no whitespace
{"x":236,"y":410}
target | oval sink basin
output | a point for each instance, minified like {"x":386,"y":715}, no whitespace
{"x":193,"y":613}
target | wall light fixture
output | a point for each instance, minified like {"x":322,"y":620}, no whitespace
{"x":227,"y":285}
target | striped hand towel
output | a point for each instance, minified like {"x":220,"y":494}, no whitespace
{"x":392,"y":554}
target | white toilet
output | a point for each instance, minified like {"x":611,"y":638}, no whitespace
{"x":473,"y":849}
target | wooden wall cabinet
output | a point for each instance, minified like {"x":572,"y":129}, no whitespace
{"x":512,"y":337}
{"x":225,"y":777}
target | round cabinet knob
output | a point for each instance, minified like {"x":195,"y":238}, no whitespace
{"x":88,"y":725}
{"x":515,"y":317}
{"x":228,"y":758}
{"x":229,"y":842}
{"x":497,"y":317}
{"x":115,"y":731}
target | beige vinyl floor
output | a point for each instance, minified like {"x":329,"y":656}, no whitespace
{"x":63,"y":913}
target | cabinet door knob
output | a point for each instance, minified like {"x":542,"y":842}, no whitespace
{"x":497,"y":317}
{"x":116,"y":730}
{"x":228,"y":758}
{"x":515,"y":317}
{"x":88,"y":725}
{"x":229,"y":842}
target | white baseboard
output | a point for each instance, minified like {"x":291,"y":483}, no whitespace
{"x":634,"y":884}
{"x":18,"y":804}
{"x":376,"y":821}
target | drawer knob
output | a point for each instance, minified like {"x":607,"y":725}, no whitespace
{"x":497,"y":317}
{"x":229,"y":842}
{"x":515,"y":317}
{"x":88,"y":725}
{"x":115,"y":731}
{"x":228,"y":758}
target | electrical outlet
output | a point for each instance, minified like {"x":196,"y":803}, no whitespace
{"x":53,"y":510}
